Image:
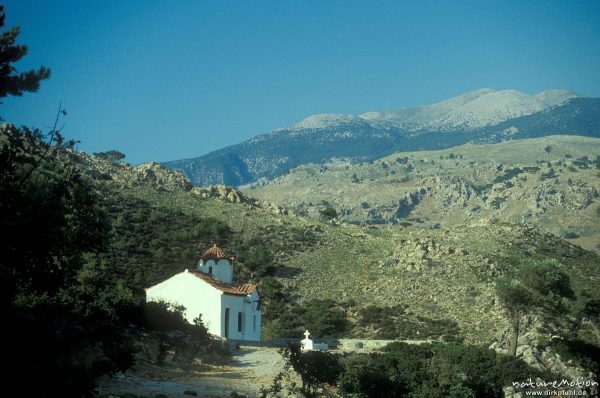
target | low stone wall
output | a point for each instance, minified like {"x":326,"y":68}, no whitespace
{"x":341,"y":344}
{"x":366,"y":344}
{"x":273,"y":343}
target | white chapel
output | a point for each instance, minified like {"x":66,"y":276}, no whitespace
{"x":227,"y":311}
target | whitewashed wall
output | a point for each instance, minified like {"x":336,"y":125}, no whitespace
{"x":252,"y":333}
{"x":197,"y":296}
{"x":222,"y":270}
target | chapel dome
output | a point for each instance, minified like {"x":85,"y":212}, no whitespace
{"x":214,"y":253}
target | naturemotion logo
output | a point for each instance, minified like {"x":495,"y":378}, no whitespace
{"x":563,"y":388}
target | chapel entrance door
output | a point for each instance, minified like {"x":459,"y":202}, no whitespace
{"x":226,"y":322}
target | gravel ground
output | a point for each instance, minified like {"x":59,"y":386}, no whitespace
{"x":250,"y":369}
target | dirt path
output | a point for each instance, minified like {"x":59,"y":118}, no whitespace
{"x":251,"y":369}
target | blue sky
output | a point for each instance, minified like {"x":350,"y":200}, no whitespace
{"x":166,"y":80}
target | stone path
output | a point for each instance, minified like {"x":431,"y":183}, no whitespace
{"x":250,"y":369}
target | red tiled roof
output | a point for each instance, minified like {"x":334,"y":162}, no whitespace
{"x":247,"y":288}
{"x":214,"y":253}
{"x":217,"y":284}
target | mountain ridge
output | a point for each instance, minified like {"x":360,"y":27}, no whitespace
{"x":317,"y":138}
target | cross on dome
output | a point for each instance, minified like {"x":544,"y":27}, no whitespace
{"x":306,"y":334}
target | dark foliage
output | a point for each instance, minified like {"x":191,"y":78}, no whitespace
{"x":368,"y":376}
{"x":426,"y":370}
{"x":591,"y":310}
{"x":581,"y":352}
{"x":314,"y":367}
{"x":393,"y":323}
{"x":74,"y":258}
{"x":259,"y":260}
{"x":324,"y":318}
{"x":453,"y":364}
{"x":537,"y":285}
{"x":64,"y":329}
{"x":513,"y":172}
{"x":11,"y":81}
{"x":112,"y":155}
{"x":329,"y":213}
{"x":149,"y":243}
{"x":161,"y":317}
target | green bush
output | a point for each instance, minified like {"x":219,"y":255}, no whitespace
{"x":65,"y":314}
{"x":367,"y":376}
{"x":411,"y":361}
{"x":393,"y":323}
{"x":453,"y":364}
{"x":569,"y":235}
{"x":163,"y":318}
{"x":314,"y":367}
{"x":324,"y":318}
{"x":111,"y":156}
{"x":260,"y":260}
{"x":508,"y":174}
{"x":510,"y":369}
{"x":426,"y":370}
{"x":460,"y":391}
{"x":329,"y":213}
{"x":584,"y":354}
{"x":591,"y":310}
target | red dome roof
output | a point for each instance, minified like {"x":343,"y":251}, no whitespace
{"x":213,"y":253}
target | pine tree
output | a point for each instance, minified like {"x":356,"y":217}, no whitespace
{"x":11,"y":81}
{"x":538,"y":286}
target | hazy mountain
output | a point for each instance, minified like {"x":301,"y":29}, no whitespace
{"x":472,"y":110}
{"x":482,"y":116}
{"x":555,"y":97}
{"x":576,"y":116}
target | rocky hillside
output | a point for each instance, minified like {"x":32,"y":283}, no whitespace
{"x":481,"y":116}
{"x":444,"y":273}
{"x":432,"y":283}
{"x":551,"y":183}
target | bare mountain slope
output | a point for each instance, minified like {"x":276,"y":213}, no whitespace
{"x":555,"y":97}
{"x":550,"y":182}
{"x":476,"y":109}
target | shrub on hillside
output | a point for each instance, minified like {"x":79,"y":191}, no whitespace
{"x":329,"y":213}
{"x":393,"y":323}
{"x":163,"y":317}
{"x":314,"y":367}
{"x":260,"y":260}
{"x":323,"y":318}
{"x":427,"y":370}
{"x":368,"y":376}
